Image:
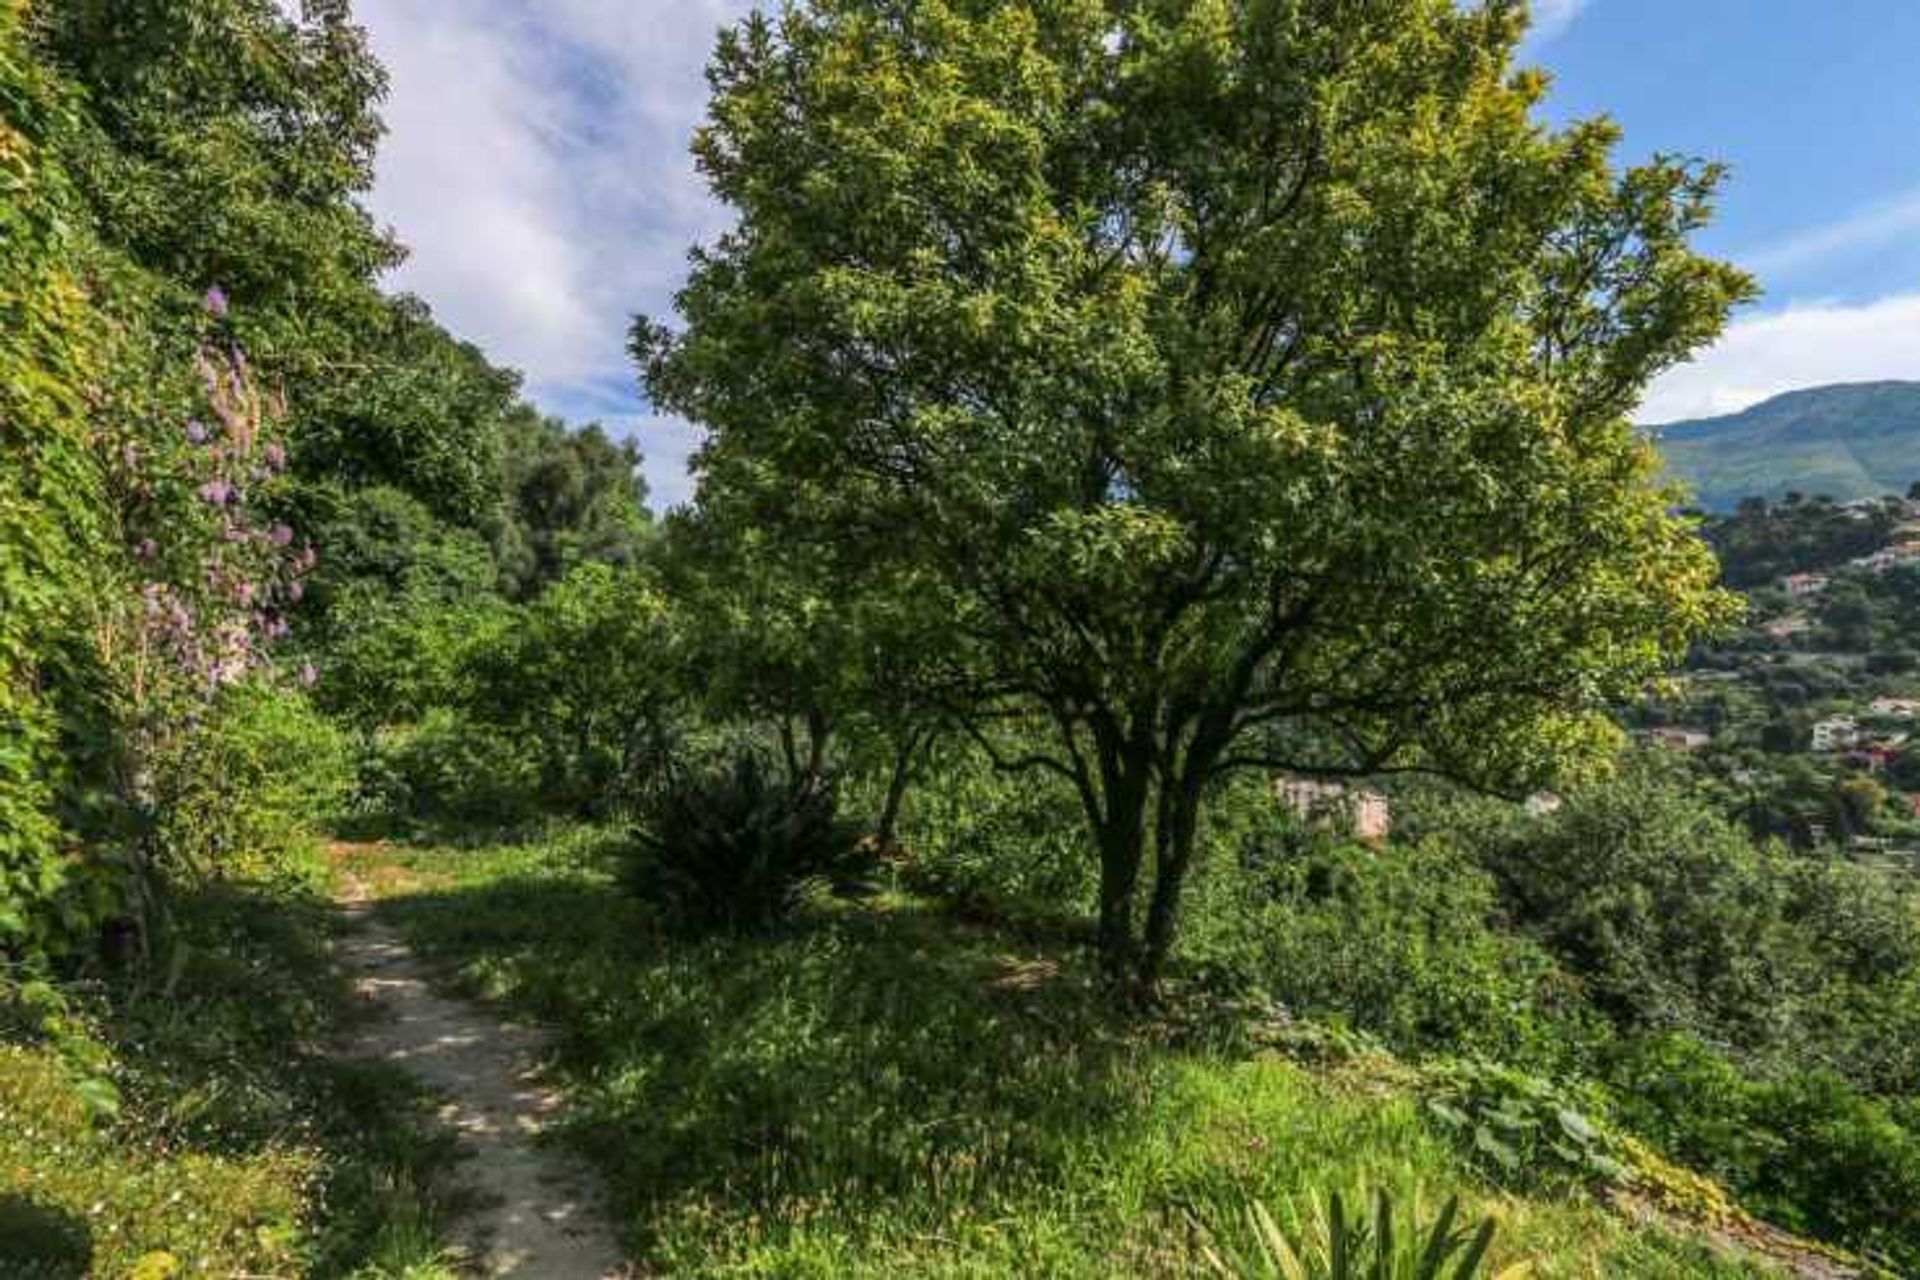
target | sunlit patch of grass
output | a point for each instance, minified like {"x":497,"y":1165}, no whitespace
{"x":881,"y":1090}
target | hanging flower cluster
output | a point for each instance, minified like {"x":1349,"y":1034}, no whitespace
{"x":218,"y":574}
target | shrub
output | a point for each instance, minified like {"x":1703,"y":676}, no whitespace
{"x":1807,"y":1150}
{"x":1333,"y":1244}
{"x":989,"y":840}
{"x":1671,"y":916}
{"x":736,"y":847}
{"x":266,"y":770}
{"x":1402,"y":943}
{"x":585,"y":681}
{"x":447,"y":769}
{"x":1519,"y":1126}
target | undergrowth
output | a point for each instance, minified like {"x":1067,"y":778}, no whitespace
{"x":193,"y":1123}
{"x":882,"y":1089}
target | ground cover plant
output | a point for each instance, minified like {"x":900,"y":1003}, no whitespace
{"x":883,"y":1088}
{"x":203,"y":1130}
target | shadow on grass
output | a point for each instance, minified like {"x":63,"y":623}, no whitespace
{"x":223,"y":1050}
{"x":42,"y":1242}
{"x":867,"y":1062}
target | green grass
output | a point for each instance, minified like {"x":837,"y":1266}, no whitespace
{"x":882,"y":1090}
{"x":240,"y":1146}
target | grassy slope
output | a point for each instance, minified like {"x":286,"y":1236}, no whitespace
{"x":240,"y":1148}
{"x":884,"y":1091}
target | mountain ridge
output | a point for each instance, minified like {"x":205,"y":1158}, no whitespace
{"x":1843,"y":440}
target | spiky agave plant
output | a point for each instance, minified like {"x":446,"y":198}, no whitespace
{"x":1333,"y":1244}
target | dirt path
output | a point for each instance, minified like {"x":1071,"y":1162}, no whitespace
{"x":537,"y":1216}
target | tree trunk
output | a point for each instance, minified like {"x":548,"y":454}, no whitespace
{"x":819,"y":730}
{"x":790,"y":750}
{"x":897,"y":785}
{"x":1119,"y":880}
{"x":1174,"y":840}
{"x":1122,"y":832}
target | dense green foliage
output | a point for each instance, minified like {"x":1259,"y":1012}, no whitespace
{"x":202,"y":380}
{"x":51,"y":346}
{"x":1167,"y":383}
{"x":1856,"y":440}
{"x":880,"y":1089}
{"x":1760,"y":541}
{"x":739,"y":846}
{"x":1113,"y":407}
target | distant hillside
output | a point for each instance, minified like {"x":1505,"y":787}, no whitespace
{"x":1855,"y":440}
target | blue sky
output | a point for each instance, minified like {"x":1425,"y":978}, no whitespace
{"x":537,"y":165}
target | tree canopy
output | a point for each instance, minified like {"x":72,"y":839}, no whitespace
{"x":1248,"y":380}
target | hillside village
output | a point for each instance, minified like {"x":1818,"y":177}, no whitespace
{"x":1807,"y":713}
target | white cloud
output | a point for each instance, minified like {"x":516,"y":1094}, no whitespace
{"x":1551,"y":17}
{"x":537,"y":167}
{"x":1802,"y":345}
{"x":668,"y":444}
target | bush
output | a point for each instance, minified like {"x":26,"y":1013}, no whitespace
{"x":1672,"y":917}
{"x":584,"y":680}
{"x":447,"y":769}
{"x":990,"y":840}
{"x":1519,"y":1126}
{"x":1807,"y":1150}
{"x":735,"y":848}
{"x":1840,"y":1166}
{"x":1402,"y":943}
{"x":265,"y":771}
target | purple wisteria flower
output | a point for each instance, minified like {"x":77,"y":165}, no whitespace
{"x":217,"y":301}
{"x":276,"y":455}
{"x":147,"y":549}
{"x":280,"y":535}
{"x":216,"y":493}
{"x":197,"y":431}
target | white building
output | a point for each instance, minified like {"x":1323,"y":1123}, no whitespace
{"x":1836,"y":733}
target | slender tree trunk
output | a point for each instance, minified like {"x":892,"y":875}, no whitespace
{"x":819,"y":730}
{"x":897,"y":783}
{"x":790,"y":749}
{"x":1176,"y":831}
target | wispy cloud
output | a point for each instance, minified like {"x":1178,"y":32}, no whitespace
{"x":537,"y":165}
{"x":1871,"y":227}
{"x":1766,"y":353}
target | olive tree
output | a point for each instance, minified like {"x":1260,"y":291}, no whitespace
{"x":1249,"y":381}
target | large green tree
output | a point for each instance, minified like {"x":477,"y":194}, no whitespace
{"x":1249,"y":378}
